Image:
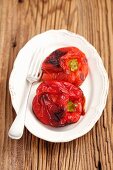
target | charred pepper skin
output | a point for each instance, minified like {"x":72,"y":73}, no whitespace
{"x":66,"y":64}
{"x":58,"y":103}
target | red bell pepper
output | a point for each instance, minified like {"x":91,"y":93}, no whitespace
{"x":66,"y":64}
{"x":58,"y":103}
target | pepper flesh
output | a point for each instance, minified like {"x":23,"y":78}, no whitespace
{"x":58,"y":103}
{"x":66,"y":64}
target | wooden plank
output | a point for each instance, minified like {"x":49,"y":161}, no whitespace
{"x":19,"y":21}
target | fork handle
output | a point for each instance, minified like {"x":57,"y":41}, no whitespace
{"x":17,"y":128}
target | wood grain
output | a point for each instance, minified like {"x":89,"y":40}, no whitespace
{"x":19,"y":21}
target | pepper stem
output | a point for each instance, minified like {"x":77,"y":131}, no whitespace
{"x":73,"y":64}
{"x":71,"y":106}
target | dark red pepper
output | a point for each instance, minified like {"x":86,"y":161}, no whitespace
{"x":66,"y":64}
{"x":58,"y":103}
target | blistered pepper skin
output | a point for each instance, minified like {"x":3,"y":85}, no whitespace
{"x":58,"y":103}
{"x":66,"y":64}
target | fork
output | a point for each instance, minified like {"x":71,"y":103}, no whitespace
{"x":34,"y":74}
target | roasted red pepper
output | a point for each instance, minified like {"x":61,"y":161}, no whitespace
{"x":58,"y":103}
{"x":66,"y":64}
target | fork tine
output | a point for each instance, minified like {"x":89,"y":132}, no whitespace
{"x":38,"y":70}
{"x":37,"y":66}
{"x":33,"y":64}
{"x":40,"y":74}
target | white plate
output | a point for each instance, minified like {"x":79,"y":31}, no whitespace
{"x":95,"y":87}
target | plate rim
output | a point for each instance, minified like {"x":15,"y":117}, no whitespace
{"x":98,"y":111}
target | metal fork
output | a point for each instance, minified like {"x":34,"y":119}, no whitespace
{"x":34,"y":74}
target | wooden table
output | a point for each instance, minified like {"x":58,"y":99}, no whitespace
{"x":19,"y":21}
